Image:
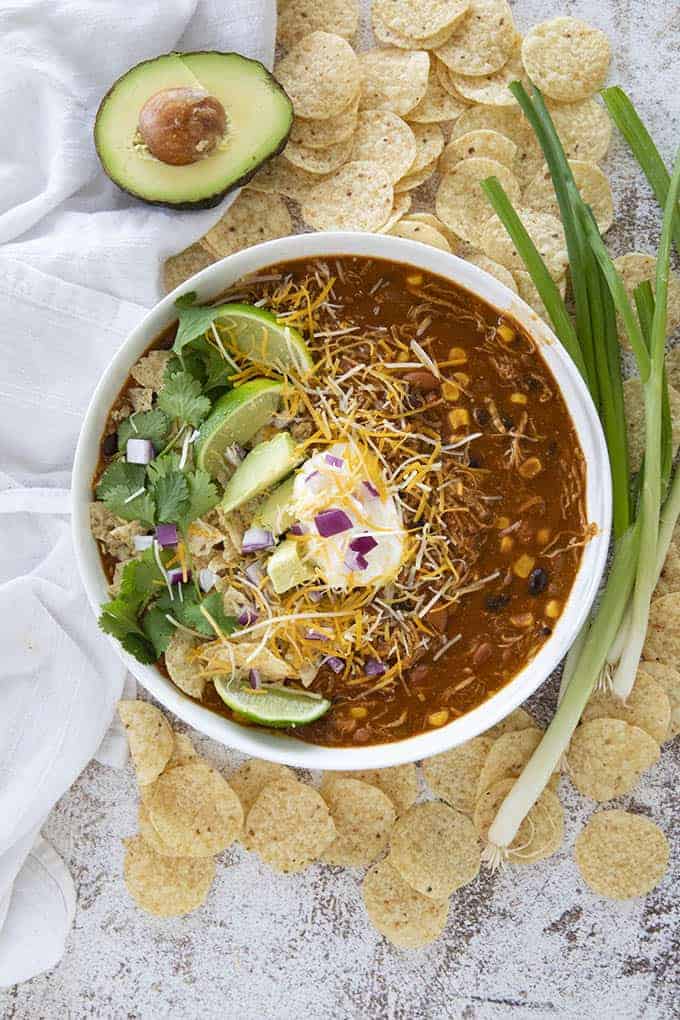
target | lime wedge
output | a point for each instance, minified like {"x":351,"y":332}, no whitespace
{"x":235,"y":418}
{"x":274,"y":706}
{"x":259,"y":335}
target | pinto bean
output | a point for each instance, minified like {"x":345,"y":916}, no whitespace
{"x":422,"y":380}
{"x":482,"y":654}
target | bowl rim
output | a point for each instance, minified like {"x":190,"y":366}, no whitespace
{"x":268,"y":744}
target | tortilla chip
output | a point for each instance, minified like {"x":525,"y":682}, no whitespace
{"x":482,"y":143}
{"x":647,"y":706}
{"x":663,"y":630}
{"x":492,"y":268}
{"x":461,"y":203}
{"x":437,"y":105}
{"x":519,"y":719}
{"x":165,"y":886}
{"x":636,"y":268}
{"x":492,"y":89}
{"x":399,"y":782}
{"x":566,"y":58}
{"x":402,"y":204}
{"x":289,"y":825}
{"x":508,"y":121}
{"x":357,"y":197}
{"x":279,"y":177}
{"x":149,"y":833}
{"x":183,"y":751}
{"x":527,"y":291}
{"x":183,"y":666}
{"x":634,"y":405}
{"x":584,"y":128}
{"x":541,"y":833}
{"x":414,"y":231}
{"x":429,"y":144}
{"x":401,"y":914}
{"x":320,"y":75}
{"x":382,"y":137}
{"x":149,"y":736}
{"x":426,"y":17}
{"x":251,"y":219}
{"x":250,"y":779}
{"x":319,"y":161}
{"x":297,"y":18}
{"x":363,"y":817}
{"x":435,"y":849}
{"x":483,"y":41}
{"x":180,"y":268}
{"x":607,"y":756}
{"x":387,"y":36}
{"x":455,"y":242}
{"x":453,"y":776}
{"x":621,"y":855}
{"x":545,"y":231}
{"x":393,"y":79}
{"x":319,"y":134}
{"x":195,"y":811}
{"x":508,"y":756}
{"x":669,"y":579}
{"x":412,"y":181}
{"x":592,"y":183}
{"x":669,"y":678}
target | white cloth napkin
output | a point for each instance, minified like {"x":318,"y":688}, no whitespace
{"x":79,"y":264}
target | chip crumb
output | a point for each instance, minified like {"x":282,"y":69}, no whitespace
{"x":607,"y":756}
{"x":149,"y":736}
{"x":405,"y":917}
{"x":435,"y":849}
{"x":363,"y":817}
{"x":165,"y":886}
{"x":621,"y":855}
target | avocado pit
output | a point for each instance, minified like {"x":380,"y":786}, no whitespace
{"x":180,"y":126}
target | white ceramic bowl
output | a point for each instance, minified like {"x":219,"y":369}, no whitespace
{"x":277,"y":747}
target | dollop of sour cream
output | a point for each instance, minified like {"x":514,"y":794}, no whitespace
{"x":346,"y":478}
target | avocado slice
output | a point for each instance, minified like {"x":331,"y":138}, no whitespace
{"x":275,"y":514}
{"x":258,"y":114}
{"x":266,"y":464}
{"x":286,"y":569}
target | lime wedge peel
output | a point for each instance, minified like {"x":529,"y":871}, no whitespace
{"x":273,"y":705}
{"x":235,"y":418}
{"x":259,"y":335}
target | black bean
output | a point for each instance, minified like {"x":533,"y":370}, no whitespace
{"x":481,"y":416}
{"x":494,"y":603}
{"x":538,"y":581}
{"x":546,"y":631}
{"x":507,"y":422}
{"x":475,"y":462}
{"x":110,"y":444}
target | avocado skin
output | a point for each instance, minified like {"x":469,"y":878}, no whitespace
{"x":210,"y":201}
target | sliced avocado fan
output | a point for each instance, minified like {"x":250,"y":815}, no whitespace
{"x":184,"y":129}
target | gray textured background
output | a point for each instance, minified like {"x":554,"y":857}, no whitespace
{"x":531,"y":943}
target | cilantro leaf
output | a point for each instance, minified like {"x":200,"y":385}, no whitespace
{"x":187,"y":610}
{"x":120,"y":473}
{"x":162,"y":466}
{"x":203,"y":496}
{"x":203,"y":361}
{"x":171,"y":494}
{"x":120,"y":617}
{"x":193,"y":320}
{"x":153,"y":425}
{"x":140,"y":508}
{"x":142,"y":578}
{"x":214,"y":603}
{"x":181,"y":398}
{"x":142,"y":649}
{"x":158,"y":629}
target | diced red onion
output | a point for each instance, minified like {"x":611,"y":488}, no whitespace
{"x":297,"y":529}
{"x":332,"y":522}
{"x":257,"y":539}
{"x":254,"y":573}
{"x":254,"y":679}
{"x":334,"y":662}
{"x":311,"y":475}
{"x":334,"y":461}
{"x":246,"y":617}
{"x":315,"y":635}
{"x":363,"y":544}
{"x":139,"y":451}
{"x":234,"y":454}
{"x":166,"y":534}
{"x":142,"y":542}
{"x":207,"y":579}
{"x":176,"y":575}
{"x":374,"y":667}
{"x":355,"y":560}
{"x":371,"y":489}
{"x":315,"y":595}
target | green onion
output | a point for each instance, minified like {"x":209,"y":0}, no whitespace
{"x":651,"y":494}
{"x":641,"y":143}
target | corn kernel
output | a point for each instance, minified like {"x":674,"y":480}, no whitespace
{"x":415,"y":279}
{"x":358,"y":712}
{"x":530,"y":467}
{"x":438,"y":718}
{"x":463,"y":378}
{"x":458,"y":489}
{"x":502,"y":522}
{"x":553,"y":609}
{"x":506,"y":333}
{"x":450,"y":391}
{"x":518,"y":398}
{"x":522,"y":621}
{"x":523,"y":565}
{"x":457,"y":356}
{"x":543,"y":535}
{"x":403,"y":356}
{"x":459,"y":418}
{"x":507,"y":543}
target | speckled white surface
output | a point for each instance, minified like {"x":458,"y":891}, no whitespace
{"x":531,"y":943}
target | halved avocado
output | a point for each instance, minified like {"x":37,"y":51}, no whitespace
{"x":191,"y":92}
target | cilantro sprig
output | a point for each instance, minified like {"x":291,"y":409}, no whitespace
{"x":182,"y":398}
